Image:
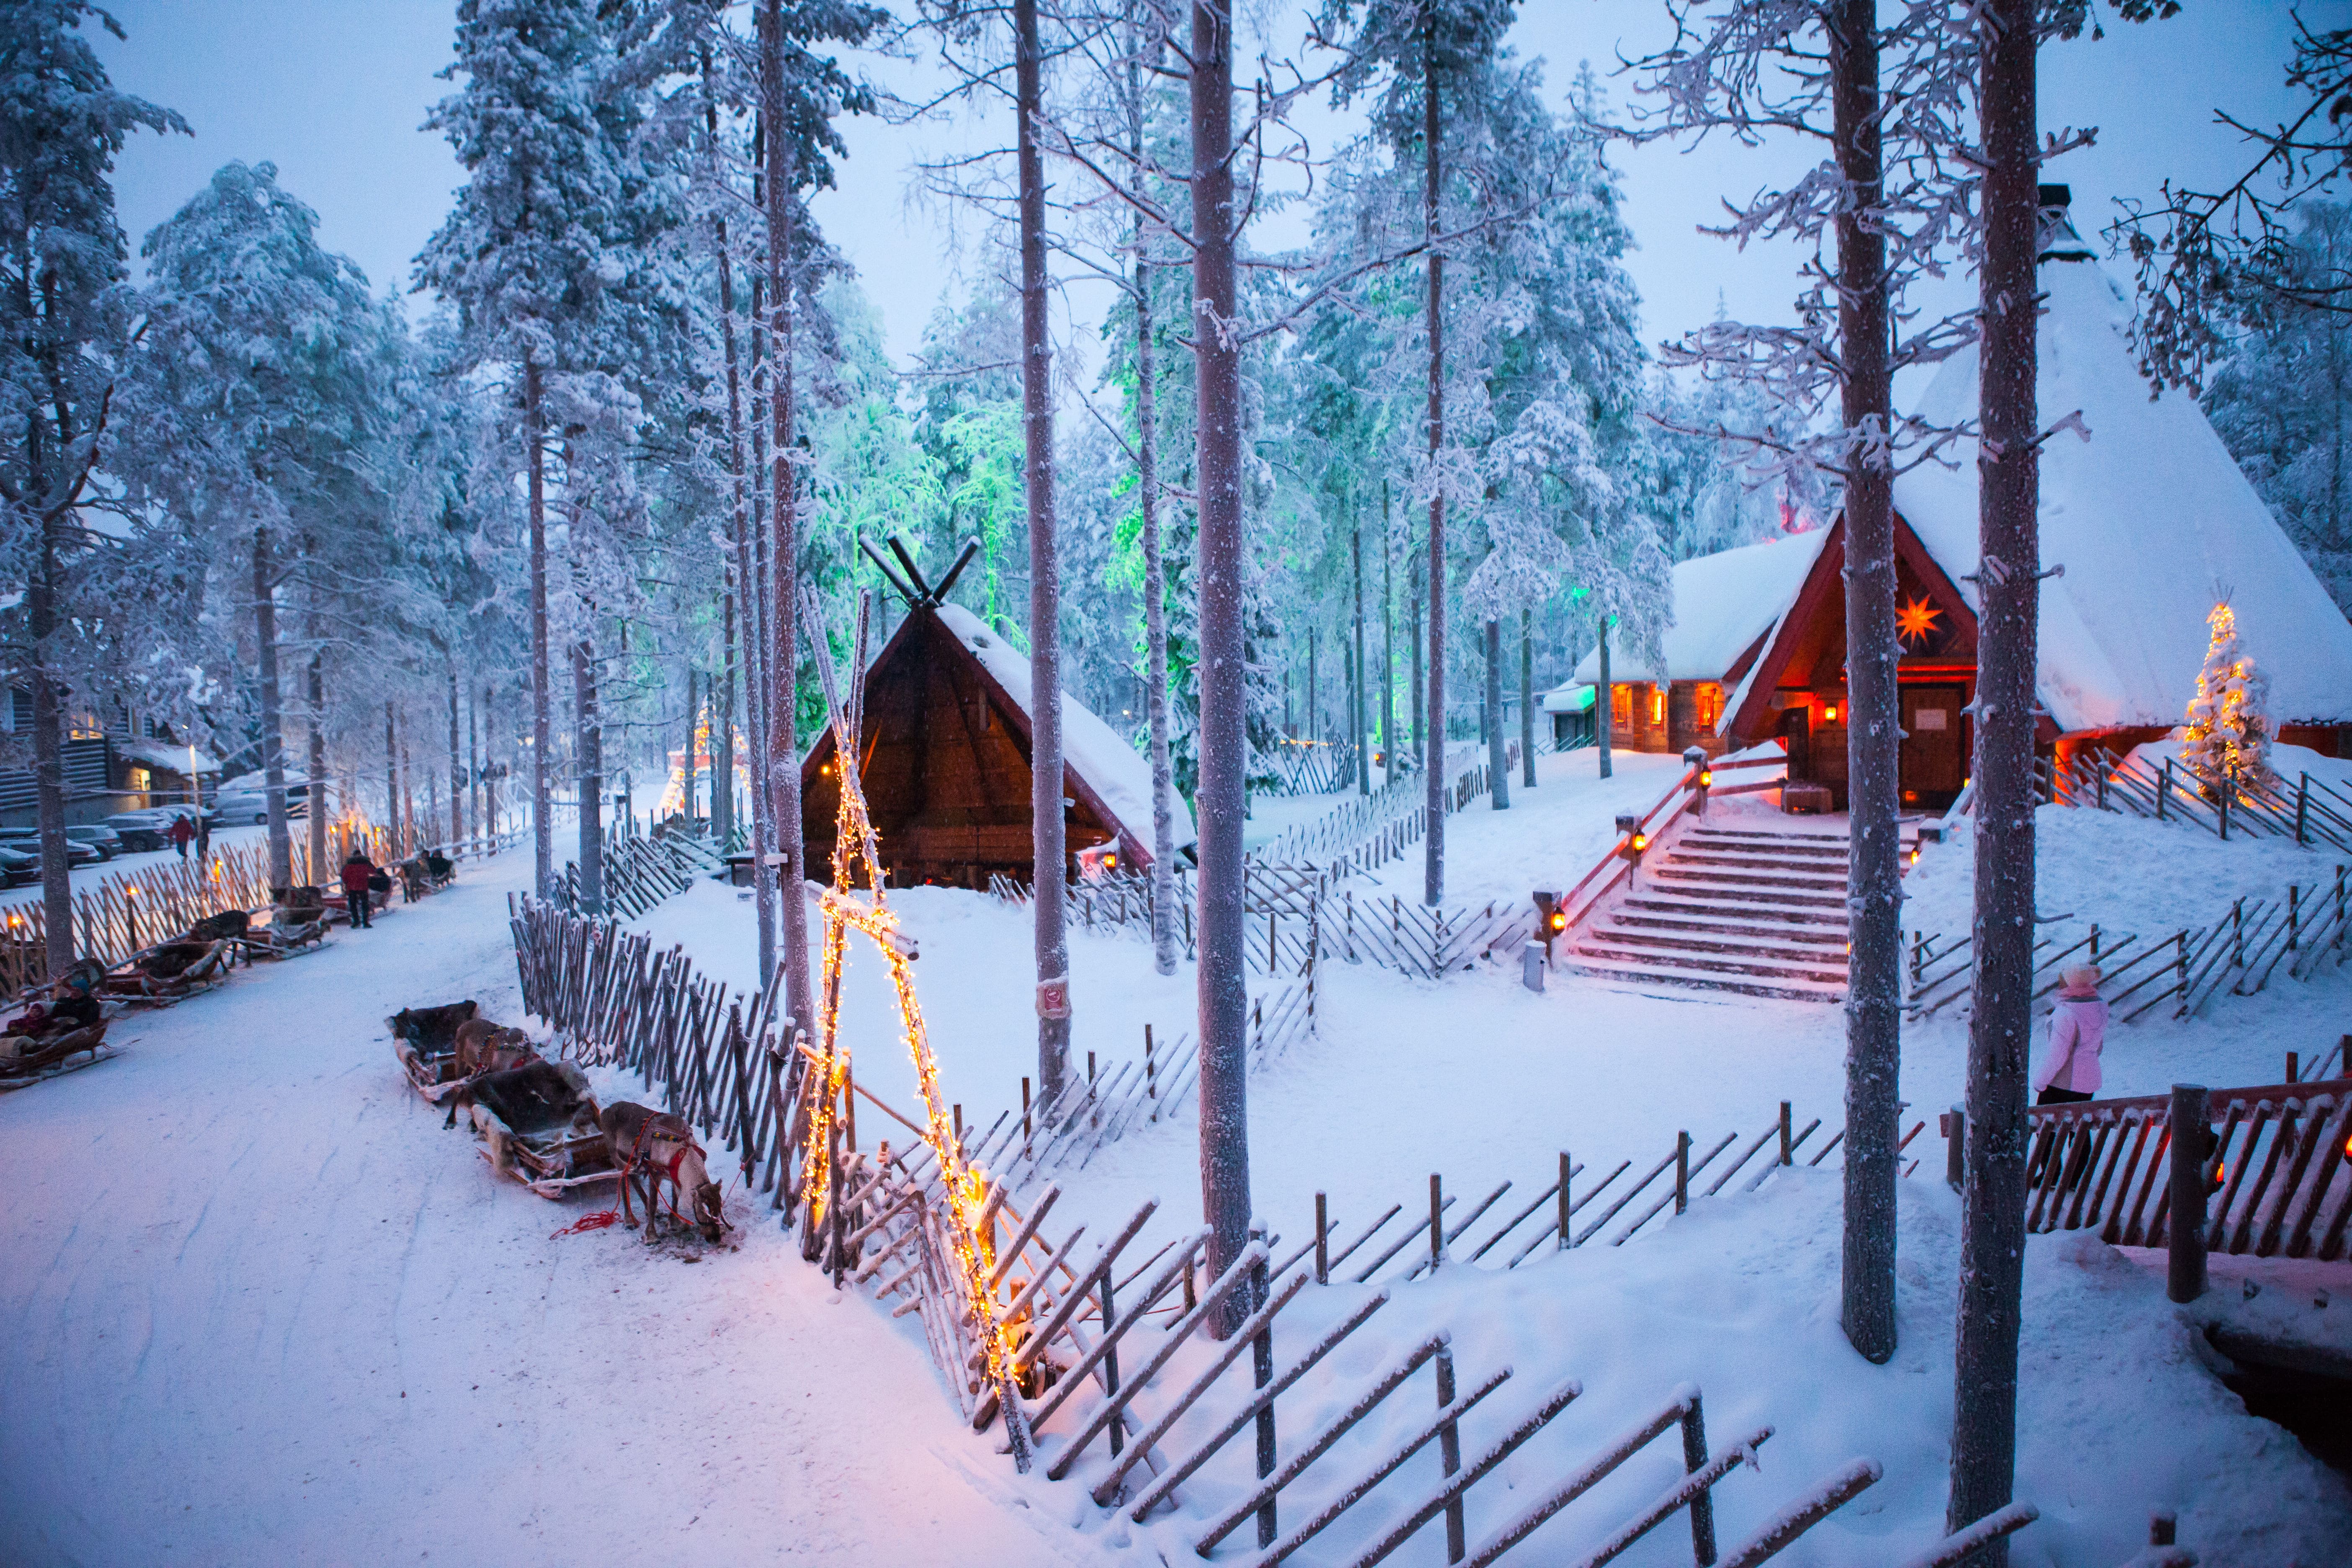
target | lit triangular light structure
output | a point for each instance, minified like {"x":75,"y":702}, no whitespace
{"x":854,"y":842}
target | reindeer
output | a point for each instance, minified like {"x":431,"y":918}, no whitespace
{"x":482,"y":1047}
{"x":662,"y":1148}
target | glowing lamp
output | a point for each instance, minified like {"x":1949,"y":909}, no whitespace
{"x":1706,"y":778}
{"x":1557,"y":922}
{"x":1110,"y":861}
{"x":1829,"y":713}
{"x":1640,"y":842}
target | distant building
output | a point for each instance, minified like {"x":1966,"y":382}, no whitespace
{"x":108,"y":767}
{"x":2149,"y":519}
{"x":946,"y":764}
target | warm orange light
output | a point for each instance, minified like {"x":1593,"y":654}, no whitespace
{"x":1110,"y":861}
{"x":1556,"y":920}
{"x":1706,"y":778}
{"x":1640,"y":842}
{"x":1829,"y":713}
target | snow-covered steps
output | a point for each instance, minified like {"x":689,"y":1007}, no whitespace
{"x":1744,"y":910}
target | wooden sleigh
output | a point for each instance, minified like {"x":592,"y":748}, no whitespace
{"x":28,"y":1060}
{"x":167,"y":972}
{"x":538,"y":1124}
{"x":427,"y":1049}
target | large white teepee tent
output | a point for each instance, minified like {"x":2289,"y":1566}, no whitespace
{"x":2151,"y":519}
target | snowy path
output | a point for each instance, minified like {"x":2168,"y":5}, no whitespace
{"x":260,"y":1308}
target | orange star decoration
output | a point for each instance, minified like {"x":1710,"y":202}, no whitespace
{"x":1916,"y":619}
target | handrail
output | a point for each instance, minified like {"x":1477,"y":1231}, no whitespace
{"x":1682,"y":786}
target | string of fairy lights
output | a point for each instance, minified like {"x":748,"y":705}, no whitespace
{"x":855,"y":848}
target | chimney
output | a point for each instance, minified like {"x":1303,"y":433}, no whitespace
{"x":2060,"y":241}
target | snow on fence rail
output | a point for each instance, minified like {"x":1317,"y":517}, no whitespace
{"x":639,"y":872}
{"x":1121,"y":1387}
{"x":2310,"y":812}
{"x":1295,"y":914}
{"x":128,"y":911}
{"x":2304,"y":930}
{"x":2281,"y":1168}
{"x":1369,"y":831}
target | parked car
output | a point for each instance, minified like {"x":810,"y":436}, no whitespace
{"x":252,"y":805}
{"x":28,"y":841}
{"x":142,"y":831}
{"x":99,"y":836}
{"x":17,"y":867}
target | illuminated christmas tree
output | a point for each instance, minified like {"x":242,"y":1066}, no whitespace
{"x":2229,"y":732}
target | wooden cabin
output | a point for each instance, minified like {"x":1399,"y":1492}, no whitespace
{"x":2145,"y":522}
{"x":1726,"y":607}
{"x":946,"y":763}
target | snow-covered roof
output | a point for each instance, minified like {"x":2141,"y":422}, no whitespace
{"x":2152,"y":520}
{"x":1113,"y":769}
{"x":1723,"y":602}
{"x":164,"y":754}
{"x":1570,"y":697}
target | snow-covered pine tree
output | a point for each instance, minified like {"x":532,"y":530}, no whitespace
{"x":2226,"y":742}
{"x":1426,"y":54}
{"x":260,"y":405}
{"x":522,"y":254}
{"x":62,"y":261}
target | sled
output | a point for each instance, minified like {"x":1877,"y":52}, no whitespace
{"x":274,"y":941}
{"x":136,"y":984}
{"x":538,"y":1124}
{"x":424,"y":1041}
{"x":51,"y":1057}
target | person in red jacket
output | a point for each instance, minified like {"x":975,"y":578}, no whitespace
{"x":357,"y":871}
{"x":182,"y":830}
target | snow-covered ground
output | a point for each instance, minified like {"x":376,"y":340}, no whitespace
{"x":233,"y":1250}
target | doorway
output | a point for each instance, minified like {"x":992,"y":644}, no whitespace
{"x":1934,"y":754}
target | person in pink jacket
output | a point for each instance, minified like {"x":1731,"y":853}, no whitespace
{"x":2078,"y":1029}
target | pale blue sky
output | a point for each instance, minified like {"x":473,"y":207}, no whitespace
{"x":334,"y":93}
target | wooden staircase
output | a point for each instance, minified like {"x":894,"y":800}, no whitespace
{"x":1744,"y":910}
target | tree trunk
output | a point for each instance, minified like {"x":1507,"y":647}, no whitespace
{"x":1874,"y":1024}
{"x":1223,"y":979}
{"x":1155,"y":634}
{"x":490,"y":730}
{"x":1993,"y":1204}
{"x":1412,"y":640}
{"x":722,"y":756}
{"x":687,"y":768}
{"x":273,"y":737}
{"x":1048,"y":827}
{"x":1388,"y":648}
{"x":391,"y":784}
{"x":457,"y":770}
{"x":1498,"y":768}
{"x":1361,"y":718}
{"x":590,"y":748}
{"x":48,"y":735}
{"x":473,"y":760}
{"x":315,"y":698}
{"x":1433,"y":843}
{"x":1528,"y":698}
{"x":783,"y":643}
{"x":1604,"y":702}
{"x":747,"y":537}
{"x":542,"y":829}
{"x":760,"y":633}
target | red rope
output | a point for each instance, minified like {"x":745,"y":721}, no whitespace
{"x":599,"y":1220}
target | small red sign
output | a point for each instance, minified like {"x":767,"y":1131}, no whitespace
{"x":1054,"y":998}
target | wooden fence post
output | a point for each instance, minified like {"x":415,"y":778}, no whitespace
{"x":1449,"y":1450}
{"x":1682,"y":1172}
{"x":1566,"y":1208}
{"x":1788,"y":1145}
{"x":2185,"y":1226}
{"x":1436,"y":1222}
{"x":1322,"y":1239}
{"x":1702,"y":1507}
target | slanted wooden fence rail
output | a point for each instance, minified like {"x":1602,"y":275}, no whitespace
{"x":2301,"y":931}
{"x":639,"y":872}
{"x":2280,"y":1170}
{"x":2305,"y":809}
{"x":123,"y":914}
{"x":1122,"y":1388}
{"x":1368,"y":831}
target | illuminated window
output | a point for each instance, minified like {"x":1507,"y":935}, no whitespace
{"x":1710,"y":704}
{"x":1620,"y":706}
{"x":1657,"y":705}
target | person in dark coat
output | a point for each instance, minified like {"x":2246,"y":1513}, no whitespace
{"x":358,"y":872}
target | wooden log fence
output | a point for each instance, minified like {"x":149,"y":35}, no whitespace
{"x":2308,"y":810}
{"x":2280,"y":1170}
{"x":1121,"y":1391}
{"x":2301,"y":931}
{"x":640,"y":870}
{"x":1368,"y":831}
{"x":123,"y":914}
